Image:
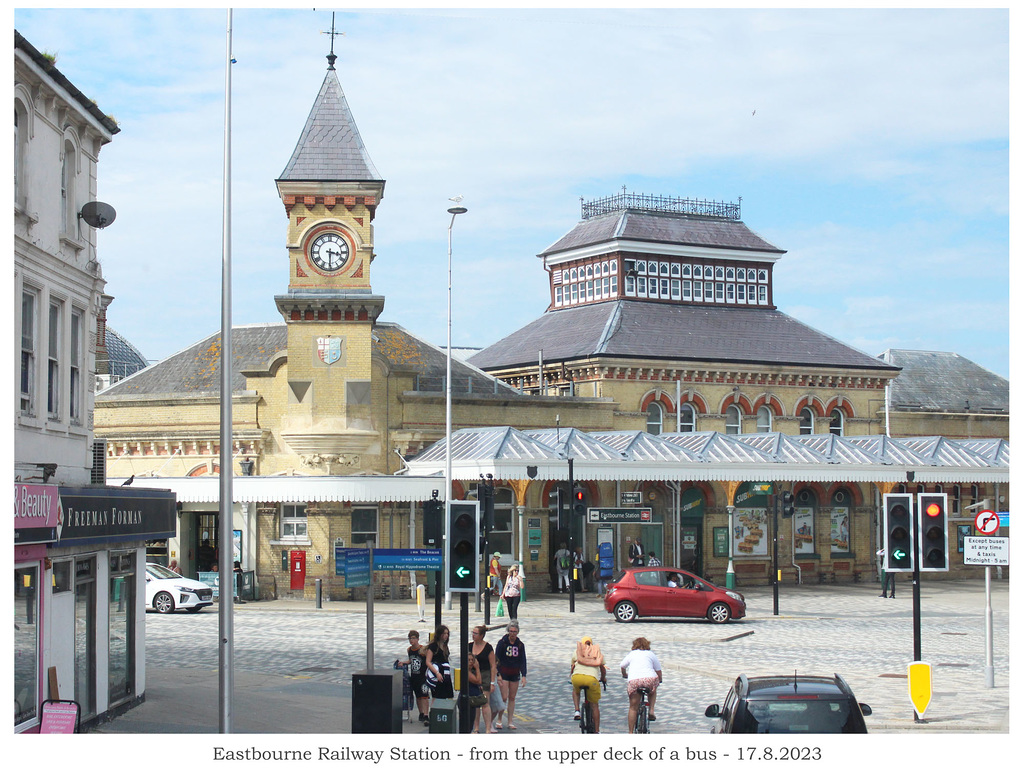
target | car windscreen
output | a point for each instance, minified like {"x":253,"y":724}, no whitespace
{"x":161,"y":573}
{"x":804,"y":715}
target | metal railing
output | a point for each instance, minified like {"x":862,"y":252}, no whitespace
{"x":660,"y":204}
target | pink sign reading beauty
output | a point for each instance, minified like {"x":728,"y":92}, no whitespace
{"x":36,"y":513}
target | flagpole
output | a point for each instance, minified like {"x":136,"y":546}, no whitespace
{"x":225,"y":533}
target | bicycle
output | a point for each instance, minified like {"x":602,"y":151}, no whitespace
{"x":587,"y":711}
{"x":643,"y":713}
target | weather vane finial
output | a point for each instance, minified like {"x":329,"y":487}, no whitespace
{"x":332,"y":56}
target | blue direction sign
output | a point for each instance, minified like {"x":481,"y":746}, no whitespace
{"x":354,"y":564}
{"x":414,"y":559}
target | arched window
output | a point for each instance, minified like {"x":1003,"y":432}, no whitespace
{"x":836,"y":422}
{"x":733,"y":420}
{"x":655,"y":418}
{"x":67,"y":190}
{"x":687,"y":418}
{"x":806,"y":421}
{"x":764,"y":420}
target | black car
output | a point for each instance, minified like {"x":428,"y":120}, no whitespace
{"x":789,"y":704}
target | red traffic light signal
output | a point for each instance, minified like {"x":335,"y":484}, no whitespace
{"x":932,"y":532}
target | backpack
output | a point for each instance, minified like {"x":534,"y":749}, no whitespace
{"x":565,"y":562}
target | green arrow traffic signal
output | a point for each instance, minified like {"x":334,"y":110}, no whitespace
{"x":899,"y":554}
{"x":462,"y":572}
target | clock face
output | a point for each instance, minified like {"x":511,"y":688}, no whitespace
{"x":329,"y":251}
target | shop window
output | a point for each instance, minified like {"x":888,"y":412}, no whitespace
{"x":121,"y":626}
{"x":26,"y":644}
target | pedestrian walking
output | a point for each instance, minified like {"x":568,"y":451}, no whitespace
{"x":563,"y":563}
{"x":439,"y":669}
{"x":636,"y":552}
{"x":888,"y":579}
{"x":512,"y":592}
{"x":510,"y":658}
{"x":416,"y":659}
{"x":484,"y":654}
{"x":652,"y":560}
{"x":494,"y":569}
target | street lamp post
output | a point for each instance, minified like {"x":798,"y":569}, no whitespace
{"x":463,"y":701}
{"x":456,"y":210}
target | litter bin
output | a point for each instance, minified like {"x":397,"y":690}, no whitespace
{"x":377,"y":702}
{"x":443,"y":717}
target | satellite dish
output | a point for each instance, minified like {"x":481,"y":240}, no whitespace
{"x":97,"y":214}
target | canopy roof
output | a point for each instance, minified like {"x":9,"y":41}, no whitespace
{"x":507,"y":453}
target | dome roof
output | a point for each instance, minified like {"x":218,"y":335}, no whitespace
{"x":123,"y":356}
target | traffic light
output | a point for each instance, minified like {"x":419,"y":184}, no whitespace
{"x":932,"y":542}
{"x":462,"y":541}
{"x":579,"y":501}
{"x":897,"y":523}
{"x":788,"y":508}
{"x":433,"y":528}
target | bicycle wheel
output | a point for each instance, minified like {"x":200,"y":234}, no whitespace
{"x":642,"y":721}
{"x":586,"y":717}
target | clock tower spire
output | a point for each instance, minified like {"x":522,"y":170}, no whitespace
{"x":330,"y":189}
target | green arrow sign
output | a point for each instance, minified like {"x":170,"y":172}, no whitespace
{"x":899,"y":554}
{"x":462,"y":572}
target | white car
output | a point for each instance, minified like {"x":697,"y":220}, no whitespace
{"x":167,"y":590}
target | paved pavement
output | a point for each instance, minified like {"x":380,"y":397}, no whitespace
{"x":293,"y":663}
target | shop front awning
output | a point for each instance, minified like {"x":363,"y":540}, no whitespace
{"x":360,"y":489}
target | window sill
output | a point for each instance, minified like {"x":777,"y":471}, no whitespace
{"x":76,"y":245}
{"x":291,"y":543}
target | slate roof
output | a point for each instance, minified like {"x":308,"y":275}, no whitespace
{"x":669,"y":228}
{"x":330,"y":148}
{"x":638,"y":329}
{"x":195,"y":371}
{"x":934,"y":381}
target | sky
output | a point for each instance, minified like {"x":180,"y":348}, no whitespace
{"x":871,"y":145}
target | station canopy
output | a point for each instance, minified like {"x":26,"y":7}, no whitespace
{"x":510,"y":454}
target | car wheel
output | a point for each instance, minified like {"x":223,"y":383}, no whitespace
{"x":625,"y":611}
{"x":163,"y":603}
{"x":719,"y":613}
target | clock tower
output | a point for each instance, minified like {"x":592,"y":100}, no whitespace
{"x":330,"y":190}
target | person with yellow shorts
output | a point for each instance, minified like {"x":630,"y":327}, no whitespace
{"x":587,"y":670}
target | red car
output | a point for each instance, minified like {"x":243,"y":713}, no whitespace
{"x":668,"y":592}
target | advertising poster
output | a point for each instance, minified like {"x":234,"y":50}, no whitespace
{"x":803,"y":531}
{"x":840,"y":523}
{"x":750,"y":532}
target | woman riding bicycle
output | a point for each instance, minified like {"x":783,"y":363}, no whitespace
{"x":586,"y":670}
{"x":641,"y":668}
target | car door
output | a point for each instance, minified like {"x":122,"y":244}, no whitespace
{"x":689,"y":599}
{"x":651,"y":593}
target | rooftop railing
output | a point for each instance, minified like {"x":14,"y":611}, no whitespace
{"x":660,"y":204}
